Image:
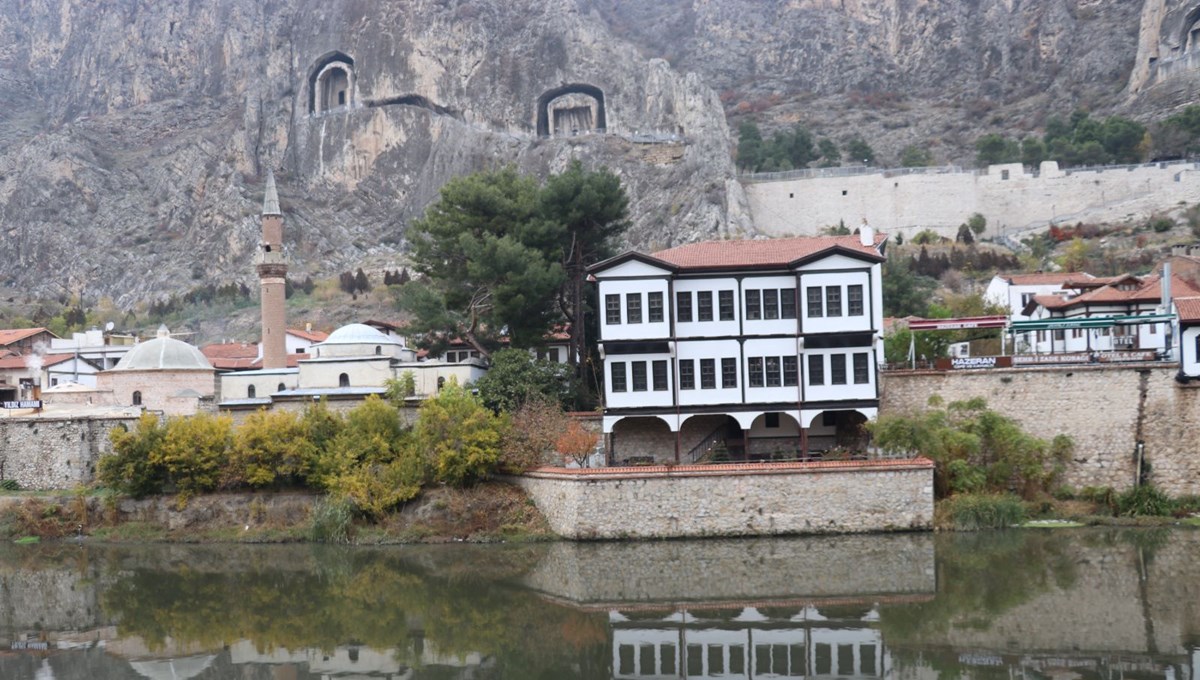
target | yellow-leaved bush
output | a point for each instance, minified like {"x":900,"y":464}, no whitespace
{"x":459,"y":435}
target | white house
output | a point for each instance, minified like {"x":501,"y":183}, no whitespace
{"x":1015,"y":292}
{"x":1188,"y":309}
{"x":760,"y":349}
{"x":1098,"y":315}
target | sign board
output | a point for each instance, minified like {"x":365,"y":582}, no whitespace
{"x":958,"y":324}
{"x":970,"y":363}
{"x":1082,"y":358}
{"x":29,"y":403}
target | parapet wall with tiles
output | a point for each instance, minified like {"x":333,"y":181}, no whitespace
{"x":734,"y":500}
{"x":1106,"y":410}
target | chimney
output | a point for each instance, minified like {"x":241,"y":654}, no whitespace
{"x":1166,"y":287}
{"x":866,"y":235}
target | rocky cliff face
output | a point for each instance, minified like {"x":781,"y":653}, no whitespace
{"x":134,"y":135}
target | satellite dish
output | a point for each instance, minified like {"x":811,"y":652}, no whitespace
{"x":109,"y":326}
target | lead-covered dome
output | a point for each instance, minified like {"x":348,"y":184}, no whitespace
{"x":358,"y":334}
{"x":163,"y":353}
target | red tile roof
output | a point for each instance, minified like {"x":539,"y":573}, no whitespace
{"x":777,"y":252}
{"x":1045,"y":278}
{"x":1188,"y":308}
{"x":11,"y":362}
{"x":9,"y":336}
{"x":230,"y":350}
{"x":311,"y":336}
{"x":1149,"y":290}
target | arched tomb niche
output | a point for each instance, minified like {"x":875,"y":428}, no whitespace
{"x":572,"y":109}
{"x":1189,"y":34}
{"x":331,"y":83}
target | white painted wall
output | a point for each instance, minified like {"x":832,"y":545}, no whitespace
{"x":843,"y":323}
{"x":767,"y":347}
{"x":716,"y":327}
{"x":1189,"y":342}
{"x":829,"y":391}
{"x":630,"y":398}
{"x":768,"y":326}
{"x":635,"y":331}
{"x":695,"y":350}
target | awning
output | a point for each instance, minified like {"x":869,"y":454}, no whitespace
{"x":1089,"y":322}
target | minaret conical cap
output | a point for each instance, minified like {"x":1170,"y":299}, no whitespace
{"x":270,"y":198}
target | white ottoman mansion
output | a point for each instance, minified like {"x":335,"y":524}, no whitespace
{"x":741,"y":350}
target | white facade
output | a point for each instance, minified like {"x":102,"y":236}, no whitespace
{"x":771,"y":345}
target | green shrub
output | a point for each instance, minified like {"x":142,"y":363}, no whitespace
{"x":9,"y":485}
{"x":193,"y":452}
{"x":131,"y":468}
{"x":1145,"y":500}
{"x":331,"y":521}
{"x":460,"y":436}
{"x":972,"y":512}
{"x":269,"y":448}
{"x":1161,"y":224}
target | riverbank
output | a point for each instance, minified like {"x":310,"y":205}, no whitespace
{"x":486,"y":513}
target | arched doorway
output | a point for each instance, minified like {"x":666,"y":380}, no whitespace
{"x":711,"y":438}
{"x":774,"y":436}
{"x":331,"y":83}
{"x":645,"y":440}
{"x":571,"y":109}
{"x":839,"y":435}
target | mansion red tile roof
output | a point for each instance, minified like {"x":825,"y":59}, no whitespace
{"x":1045,"y":278}
{"x":779,"y":252}
{"x":1188,"y":308}
{"x":18,"y":362}
{"x":1147,"y":290}
{"x":311,"y":336}
{"x":9,"y":336}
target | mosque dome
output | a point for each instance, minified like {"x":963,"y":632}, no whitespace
{"x":359,"y":334}
{"x":163,"y":353}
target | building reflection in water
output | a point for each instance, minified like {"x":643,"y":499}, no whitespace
{"x":747,"y":642}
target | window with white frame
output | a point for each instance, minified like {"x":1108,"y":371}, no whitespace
{"x":816,"y":369}
{"x":708,"y":374}
{"x":704,"y":305}
{"x":753,"y":305}
{"x":837,"y":369}
{"x":639,"y":375}
{"x":833,"y":300}
{"x":654,"y":307}
{"x":854,"y":300}
{"x":683,"y":306}
{"x":770,"y":303}
{"x":612,"y":309}
{"x":659,"y":376}
{"x":687,"y":374}
{"x":728,"y":373}
{"x":754,"y":371}
{"x":773,"y":371}
{"x":725,"y":305}
{"x":633,"y":307}
{"x":816,"y":309}
{"x":619,"y":383}
{"x":862,"y":374}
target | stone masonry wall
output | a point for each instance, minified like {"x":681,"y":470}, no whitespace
{"x":734,"y":500}
{"x":1106,"y":410}
{"x":54,"y":453}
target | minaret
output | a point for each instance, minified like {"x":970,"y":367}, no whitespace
{"x":272,"y":277}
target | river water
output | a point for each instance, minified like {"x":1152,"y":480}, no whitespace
{"x":1031,"y":604}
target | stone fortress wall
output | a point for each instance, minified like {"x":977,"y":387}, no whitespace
{"x":55,"y":453}
{"x":1012,"y":198}
{"x":1106,"y":410}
